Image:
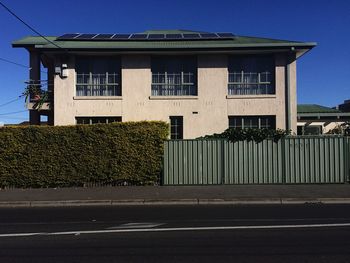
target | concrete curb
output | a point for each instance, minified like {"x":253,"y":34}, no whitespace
{"x":242,"y":201}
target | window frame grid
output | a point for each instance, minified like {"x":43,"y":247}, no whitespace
{"x":90,"y":89}
{"x":171,"y":86}
{"x":90,"y":84}
{"x":264,"y":65}
{"x":90,"y":119}
{"x":270,"y":121}
{"x":247,"y":88}
{"x":174,"y":75}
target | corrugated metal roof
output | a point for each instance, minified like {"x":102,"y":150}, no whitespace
{"x":237,"y":42}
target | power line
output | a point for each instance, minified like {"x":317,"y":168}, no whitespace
{"x":4,"y":117}
{"x":14,"y":112}
{"x":30,"y":27}
{"x":18,"y":64}
{"x":16,"y":99}
{"x":15,"y":63}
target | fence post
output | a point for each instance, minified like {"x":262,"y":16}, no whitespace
{"x":223,"y":157}
{"x":283,"y":152}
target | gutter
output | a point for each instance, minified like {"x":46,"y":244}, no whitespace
{"x":319,"y":115}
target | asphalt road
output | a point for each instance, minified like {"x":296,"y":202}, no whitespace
{"x":293,"y":233}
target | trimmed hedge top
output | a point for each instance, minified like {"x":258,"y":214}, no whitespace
{"x":257,"y":135}
{"x":47,"y":156}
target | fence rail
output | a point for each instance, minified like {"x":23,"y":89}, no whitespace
{"x":292,"y":160}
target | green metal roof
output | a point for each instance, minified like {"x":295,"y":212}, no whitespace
{"x":236,"y":42}
{"x":314,"y":108}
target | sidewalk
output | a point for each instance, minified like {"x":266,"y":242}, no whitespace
{"x":177,"y":195}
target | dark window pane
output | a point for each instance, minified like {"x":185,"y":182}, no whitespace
{"x":235,"y":122}
{"x":300,"y":130}
{"x":251,"y":123}
{"x":312,"y":130}
{"x":176,"y":127}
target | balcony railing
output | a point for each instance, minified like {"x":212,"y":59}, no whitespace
{"x":106,"y":84}
{"x":242,"y":83}
{"x":173,"y":84}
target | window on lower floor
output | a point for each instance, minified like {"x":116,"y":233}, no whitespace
{"x":251,"y":75}
{"x":176,"y":127}
{"x":252,"y":122}
{"x":98,"y":76}
{"x":95,"y":120}
{"x":310,"y":130}
{"x":174,"y":76}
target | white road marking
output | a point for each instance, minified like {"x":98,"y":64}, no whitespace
{"x":136,"y":225}
{"x":173,"y":229}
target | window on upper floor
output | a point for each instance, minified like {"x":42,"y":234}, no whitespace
{"x":96,"y":120}
{"x":98,"y":76}
{"x":174,"y":76}
{"x":252,"y":122}
{"x":251,"y":75}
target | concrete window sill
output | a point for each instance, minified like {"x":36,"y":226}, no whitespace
{"x":269,"y":96}
{"x":97,"y":97}
{"x":173,"y":97}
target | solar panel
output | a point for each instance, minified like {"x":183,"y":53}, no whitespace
{"x":226,"y":35}
{"x":103,"y":36}
{"x":85,"y":36}
{"x":191,"y":36}
{"x":173,"y":36}
{"x":68,"y":36}
{"x":138,"y":36}
{"x":209,"y":35}
{"x":121,"y":36}
{"x":141,"y":36}
{"x":156,"y":36}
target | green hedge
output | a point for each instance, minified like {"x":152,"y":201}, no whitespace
{"x":257,"y":135}
{"x":46,"y":156}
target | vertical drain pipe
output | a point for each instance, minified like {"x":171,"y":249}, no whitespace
{"x":287,"y":97}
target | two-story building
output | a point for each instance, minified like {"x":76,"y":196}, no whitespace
{"x":200,"y":82}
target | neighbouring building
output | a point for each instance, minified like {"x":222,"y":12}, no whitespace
{"x":345,"y":107}
{"x":314,"y":119}
{"x":200,"y":82}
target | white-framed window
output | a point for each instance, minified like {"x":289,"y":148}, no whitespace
{"x":252,"y":122}
{"x":251,"y":75}
{"x":174,"y":76}
{"x":98,"y":76}
{"x":96,"y":120}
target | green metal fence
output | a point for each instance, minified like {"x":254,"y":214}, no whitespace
{"x":292,"y":160}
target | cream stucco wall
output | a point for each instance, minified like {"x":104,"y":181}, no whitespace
{"x":204,"y":114}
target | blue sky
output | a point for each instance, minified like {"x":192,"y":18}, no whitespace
{"x":323,"y":74}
